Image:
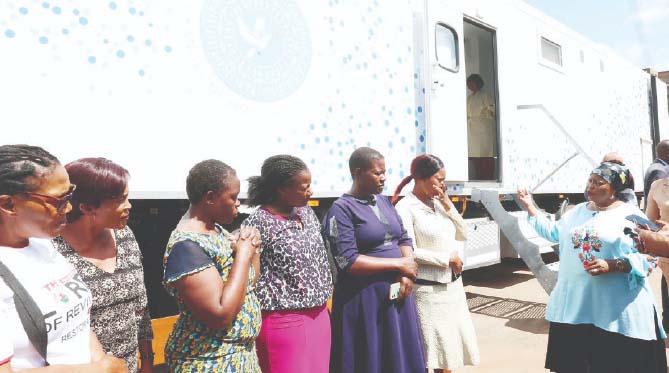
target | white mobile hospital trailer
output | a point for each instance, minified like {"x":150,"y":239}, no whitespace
{"x":157,"y":86}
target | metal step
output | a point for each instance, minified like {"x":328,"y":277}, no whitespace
{"x":527,"y":247}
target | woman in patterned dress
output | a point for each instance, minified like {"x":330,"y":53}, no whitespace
{"x":295,"y":279}
{"x":602,"y":312}
{"x":99,"y":243}
{"x":211,"y":275}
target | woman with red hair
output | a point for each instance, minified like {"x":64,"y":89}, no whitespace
{"x":99,"y":243}
{"x":438,"y":233}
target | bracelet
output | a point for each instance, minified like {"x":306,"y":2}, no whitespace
{"x":620,"y":265}
{"x":147,"y":355}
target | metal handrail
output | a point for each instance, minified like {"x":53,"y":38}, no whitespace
{"x":579,"y":149}
{"x":557,"y":124}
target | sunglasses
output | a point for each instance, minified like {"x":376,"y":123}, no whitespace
{"x":59,"y":203}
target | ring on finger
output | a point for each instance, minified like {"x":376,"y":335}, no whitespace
{"x":594,"y":271}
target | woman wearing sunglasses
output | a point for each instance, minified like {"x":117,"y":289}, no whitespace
{"x":35,"y":193}
{"x":99,"y":243}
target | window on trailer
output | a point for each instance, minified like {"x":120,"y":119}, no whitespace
{"x":446,"y":40}
{"x":551,"y":51}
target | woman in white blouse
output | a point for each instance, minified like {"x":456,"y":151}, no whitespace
{"x":438,"y":233}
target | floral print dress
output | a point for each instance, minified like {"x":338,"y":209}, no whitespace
{"x":616,"y":302}
{"x":192,"y":346}
{"x":120,"y":312}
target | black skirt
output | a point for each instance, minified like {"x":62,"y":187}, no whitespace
{"x":586,"y":348}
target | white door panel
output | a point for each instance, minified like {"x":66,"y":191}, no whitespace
{"x":446,"y":93}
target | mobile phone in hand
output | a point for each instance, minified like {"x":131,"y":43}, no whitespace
{"x":640,"y":220}
{"x":394,"y":291}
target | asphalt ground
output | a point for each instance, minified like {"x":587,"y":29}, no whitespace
{"x":508,"y":308}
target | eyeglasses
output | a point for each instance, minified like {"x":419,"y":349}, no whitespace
{"x":59,"y":203}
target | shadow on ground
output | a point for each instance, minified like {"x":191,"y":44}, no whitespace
{"x":502,"y":275}
{"x":521,"y":315}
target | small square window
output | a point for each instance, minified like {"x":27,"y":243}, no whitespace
{"x":551,"y":51}
{"x":582,"y":57}
{"x":601,"y":65}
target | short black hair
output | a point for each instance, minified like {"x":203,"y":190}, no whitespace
{"x":476,"y":79}
{"x":21,"y":163}
{"x":276,"y":172}
{"x":210,"y":175}
{"x":362,"y":158}
{"x":662,"y":149}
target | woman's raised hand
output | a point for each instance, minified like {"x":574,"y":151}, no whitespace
{"x":441,"y":196}
{"x":525,"y":199}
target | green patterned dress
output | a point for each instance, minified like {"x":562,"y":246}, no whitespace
{"x":192,"y":346}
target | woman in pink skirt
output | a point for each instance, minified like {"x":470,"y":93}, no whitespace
{"x":295,"y":279}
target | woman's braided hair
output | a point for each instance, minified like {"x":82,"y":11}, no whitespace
{"x":21,"y":163}
{"x":276,"y":172}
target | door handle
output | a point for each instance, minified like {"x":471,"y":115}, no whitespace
{"x":436,"y":72}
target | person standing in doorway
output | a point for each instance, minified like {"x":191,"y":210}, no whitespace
{"x":481,"y":130}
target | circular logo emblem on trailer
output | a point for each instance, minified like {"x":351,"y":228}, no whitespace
{"x":260,"y":49}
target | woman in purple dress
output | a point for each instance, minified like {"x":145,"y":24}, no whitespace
{"x":374,"y":329}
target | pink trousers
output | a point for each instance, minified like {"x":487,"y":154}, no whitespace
{"x":295,"y":341}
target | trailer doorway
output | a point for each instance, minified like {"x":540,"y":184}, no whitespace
{"x":482,"y":102}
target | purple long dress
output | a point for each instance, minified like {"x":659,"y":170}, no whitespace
{"x":370,"y":332}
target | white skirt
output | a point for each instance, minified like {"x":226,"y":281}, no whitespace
{"x":448,"y":332}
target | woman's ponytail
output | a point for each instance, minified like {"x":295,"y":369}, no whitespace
{"x":403,"y":183}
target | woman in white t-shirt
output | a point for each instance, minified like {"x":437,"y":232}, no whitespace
{"x":6,"y":349}
{"x":35,"y":193}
